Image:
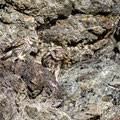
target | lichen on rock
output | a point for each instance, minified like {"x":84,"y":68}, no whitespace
{"x":83,"y":33}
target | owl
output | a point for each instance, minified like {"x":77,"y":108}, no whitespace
{"x":18,"y":48}
{"x":55,"y":59}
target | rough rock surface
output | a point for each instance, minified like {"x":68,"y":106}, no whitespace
{"x":87,"y":89}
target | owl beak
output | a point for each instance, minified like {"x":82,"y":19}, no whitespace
{"x":35,"y":43}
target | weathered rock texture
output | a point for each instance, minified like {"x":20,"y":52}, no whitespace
{"x":88,"y":88}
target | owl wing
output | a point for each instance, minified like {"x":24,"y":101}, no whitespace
{"x":7,"y":55}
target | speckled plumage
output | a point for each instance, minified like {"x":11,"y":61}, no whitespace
{"x":55,"y":59}
{"x":17,"y":49}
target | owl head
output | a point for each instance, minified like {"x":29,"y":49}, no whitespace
{"x":32,"y":41}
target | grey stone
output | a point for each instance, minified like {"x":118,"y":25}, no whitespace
{"x":93,"y":6}
{"x":85,"y":28}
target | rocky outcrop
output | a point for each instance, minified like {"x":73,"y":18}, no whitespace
{"x":88,"y":88}
{"x":34,"y":75}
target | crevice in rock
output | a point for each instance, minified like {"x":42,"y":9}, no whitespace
{"x":100,"y":37}
{"x":95,"y":117}
{"x":46,"y":26}
{"x":30,"y":93}
{"x":104,"y":35}
{"x":115,"y":1}
{"x":117,"y":37}
{"x":73,"y":43}
{"x":50,"y":24}
{"x":61,"y":17}
{"x":34,"y":54}
{"x":75,"y":12}
{"x":4,"y":22}
{"x":116,"y":50}
{"x":42,"y":27}
{"x":3,"y":6}
{"x":95,"y":51}
{"x":102,"y":13}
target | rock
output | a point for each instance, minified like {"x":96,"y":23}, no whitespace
{"x":16,"y":81}
{"x":10,"y":86}
{"x":111,"y":114}
{"x":85,"y":36}
{"x":32,"y":112}
{"x":89,"y":88}
{"x":85,"y":82}
{"x":115,"y":10}
{"x":36,"y":78}
{"x":45,"y":9}
{"x":73,"y":30}
{"x":93,"y":6}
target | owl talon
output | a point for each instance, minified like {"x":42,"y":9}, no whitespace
{"x":21,"y":57}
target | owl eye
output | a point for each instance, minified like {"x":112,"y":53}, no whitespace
{"x":35,"y":43}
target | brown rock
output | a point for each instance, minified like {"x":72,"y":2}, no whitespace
{"x":33,"y":74}
{"x":36,"y":78}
